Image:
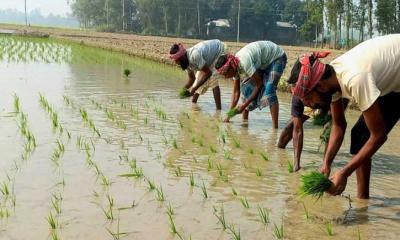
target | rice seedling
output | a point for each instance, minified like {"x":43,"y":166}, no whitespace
{"x":174,"y":144}
{"x":17,"y":104}
{"x":4,"y":213}
{"x":150,"y":184}
{"x":306,"y":213}
{"x":60,"y":146}
{"x":54,"y":236}
{"x":264,"y":156}
{"x":314,"y":184}
{"x":234,"y":192}
{"x":321,"y":119}
{"x":232,"y":112}
{"x":184,"y":93}
{"x":172,"y":227}
{"x":220,"y":169}
{"x":235,"y":233}
{"x":279,"y":231}
{"x":170,"y":210}
{"x":137,"y":173}
{"x":178,"y":171}
{"x":222,"y":136}
{"x":200,"y":142}
{"x":104,"y":180}
{"x":117,"y":235}
{"x":213,"y":149}
{"x":290,"y":167}
{"x":245,"y":202}
{"x":133,"y":164}
{"x":358,"y":233}
{"x":4,"y":189}
{"x":209,"y":164}
{"x":191,"y":179}
{"x":259,"y":172}
{"x":251,"y":151}
{"x":127,"y":72}
{"x":160,"y":194}
{"x":236,"y":142}
{"x":263,"y":213}
{"x":220,"y":215}
{"x":329,"y":229}
{"x":52,"y":221}
{"x":227,"y":155}
{"x":109,"y":213}
{"x":204,"y":190}
{"x":56,"y":203}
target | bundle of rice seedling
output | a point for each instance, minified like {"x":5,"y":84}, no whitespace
{"x":232,"y":112}
{"x":321,"y":119}
{"x":127,"y":72}
{"x":184,"y":93}
{"x":314,"y":184}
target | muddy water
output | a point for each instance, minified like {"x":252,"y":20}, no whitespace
{"x":139,"y":119}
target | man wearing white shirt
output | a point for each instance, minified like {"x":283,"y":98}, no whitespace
{"x":369,"y":75}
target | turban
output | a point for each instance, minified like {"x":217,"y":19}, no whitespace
{"x":309,"y":75}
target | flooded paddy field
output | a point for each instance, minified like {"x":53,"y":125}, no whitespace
{"x":88,"y":153}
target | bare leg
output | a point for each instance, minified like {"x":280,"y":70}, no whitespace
{"x":245,"y":115}
{"x":286,"y":134}
{"x":195,"y":98}
{"x":274,"y":109}
{"x":363,"y":179}
{"x":217,"y":97}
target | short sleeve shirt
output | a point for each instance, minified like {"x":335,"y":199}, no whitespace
{"x":369,"y":70}
{"x":204,"y":53}
{"x":257,"y":56}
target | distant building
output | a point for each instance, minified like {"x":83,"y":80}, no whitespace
{"x":281,"y":32}
{"x":220,"y":28}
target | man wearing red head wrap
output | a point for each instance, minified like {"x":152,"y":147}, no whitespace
{"x":256,"y":70}
{"x":199,"y":62}
{"x":369,"y":75}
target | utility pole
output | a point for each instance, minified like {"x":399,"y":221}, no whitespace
{"x":198,"y":17}
{"x":123,"y":15}
{"x":238,"y":23}
{"x":26,"y":16}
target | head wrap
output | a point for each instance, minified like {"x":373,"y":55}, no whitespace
{"x":231,"y":61}
{"x":180,"y":53}
{"x":309,"y":75}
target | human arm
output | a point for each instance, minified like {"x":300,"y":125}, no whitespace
{"x":190,"y":80}
{"x":374,"y":120}
{"x":235,"y":96}
{"x":258,"y":82}
{"x":339,"y":125}
{"x":205,"y":74}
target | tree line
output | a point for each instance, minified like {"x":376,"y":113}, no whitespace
{"x":339,"y":23}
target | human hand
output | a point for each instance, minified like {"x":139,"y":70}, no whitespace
{"x":226,"y":120}
{"x":326,"y":170}
{"x":339,"y":182}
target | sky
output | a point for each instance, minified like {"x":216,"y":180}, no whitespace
{"x":56,"y":7}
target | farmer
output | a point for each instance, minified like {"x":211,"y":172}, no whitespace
{"x":199,"y":62}
{"x":369,"y":75}
{"x":294,"y":128}
{"x":256,"y":70}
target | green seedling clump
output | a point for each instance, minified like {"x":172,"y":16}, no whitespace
{"x":184,"y":93}
{"x":321,"y":119}
{"x":127,"y":72}
{"x":232,"y":112}
{"x":314,"y":184}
